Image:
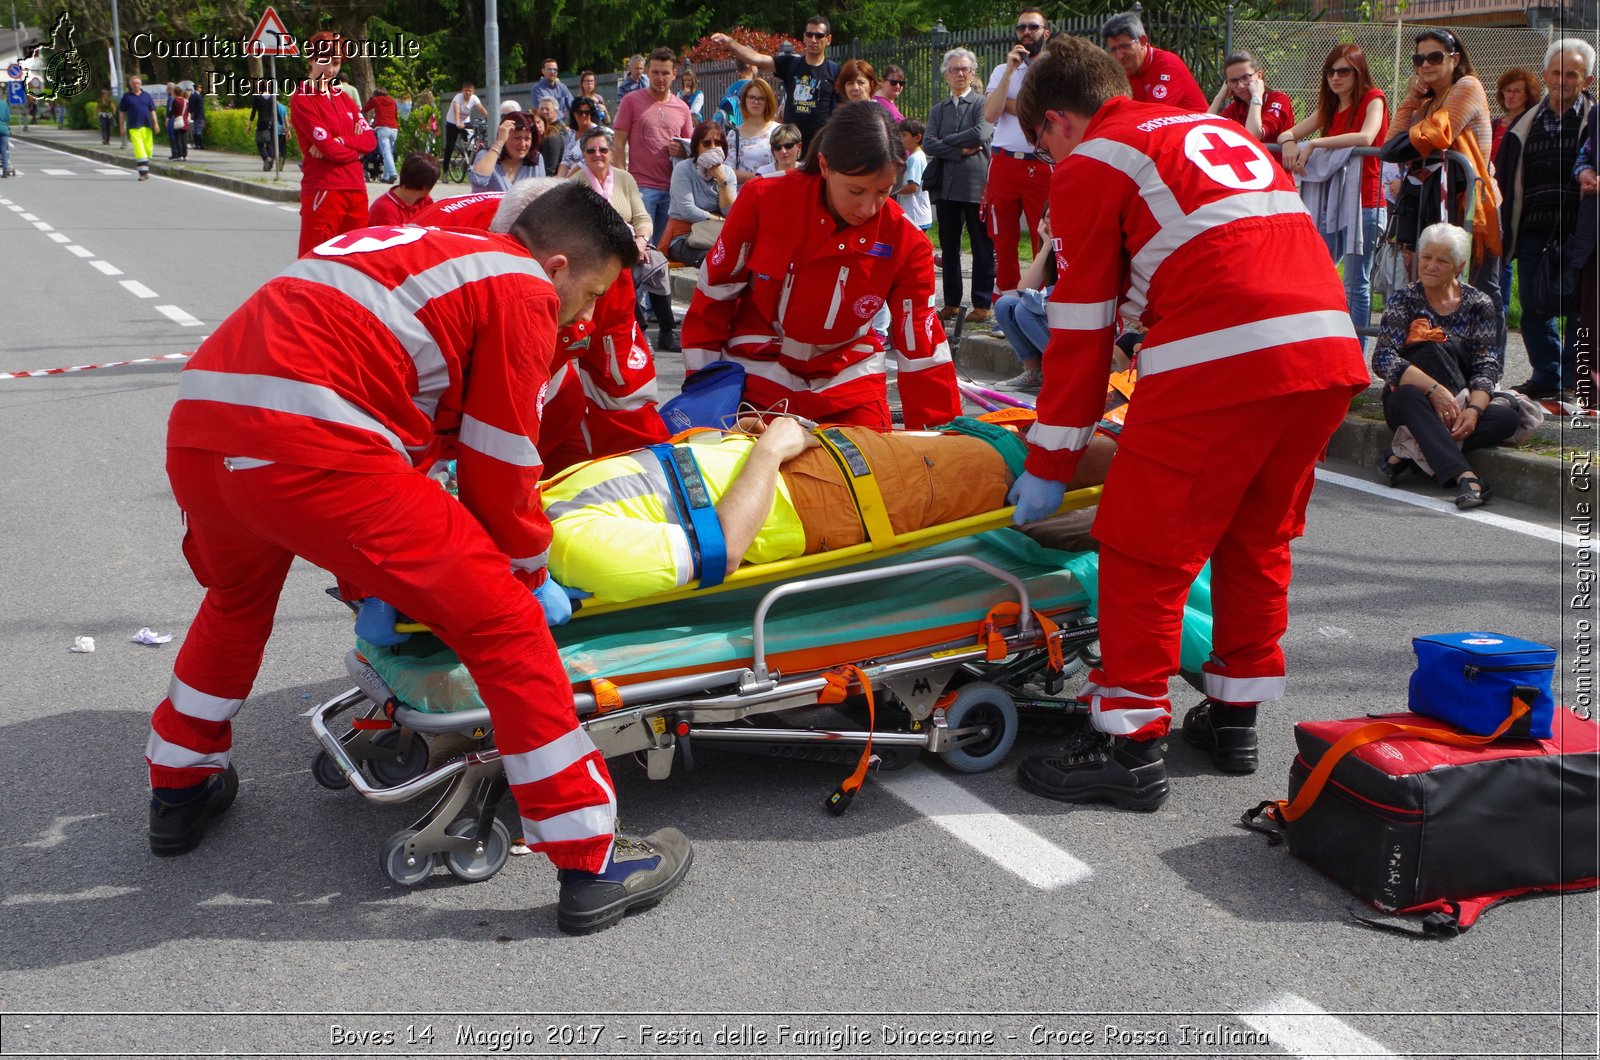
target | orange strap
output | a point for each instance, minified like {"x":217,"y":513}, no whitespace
{"x":994,"y":641}
{"x":1284,"y":811}
{"x":606,"y":695}
{"x":838,"y":685}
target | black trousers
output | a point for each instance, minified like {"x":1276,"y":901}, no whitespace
{"x":951,"y":216}
{"x":450,"y":134}
{"x":1409,"y":406}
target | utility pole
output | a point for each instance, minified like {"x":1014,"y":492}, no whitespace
{"x":116,"y":49}
{"x":491,"y":61}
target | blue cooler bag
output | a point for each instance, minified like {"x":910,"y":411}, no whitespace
{"x":1467,"y":679}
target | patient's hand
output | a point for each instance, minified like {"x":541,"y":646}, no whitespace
{"x":784,"y":438}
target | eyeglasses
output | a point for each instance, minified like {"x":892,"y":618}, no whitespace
{"x":812,"y":34}
{"x":1029,"y":27}
{"x":786,"y":147}
{"x":597,"y":150}
{"x":1431,"y":59}
{"x":713,"y":143}
{"x":1240,"y":82}
{"x":1040,"y":151}
{"x":1339,"y":71}
{"x":892,"y":81}
{"x":959,"y":70}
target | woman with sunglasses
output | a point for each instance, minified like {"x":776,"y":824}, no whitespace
{"x":513,"y":157}
{"x":1446,"y":108}
{"x":1351,"y":112}
{"x":584,"y":116}
{"x":803,"y":264}
{"x":703,"y":190}
{"x":889,"y":89}
{"x":750,"y":140}
{"x":786,"y":148}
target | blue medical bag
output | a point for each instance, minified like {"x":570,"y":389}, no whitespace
{"x":710,"y":398}
{"x":1467,"y":679}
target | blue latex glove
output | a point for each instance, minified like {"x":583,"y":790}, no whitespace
{"x":554,"y":600}
{"x":375,"y":623}
{"x":1035,"y":497}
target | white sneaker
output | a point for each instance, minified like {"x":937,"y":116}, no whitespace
{"x":1027,"y":382}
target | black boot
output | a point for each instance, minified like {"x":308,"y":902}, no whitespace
{"x":1227,"y":733}
{"x":661,"y":308}
{"x":640,"y":873}
{"x":178,"y":816}
{"x":1094,"y":767}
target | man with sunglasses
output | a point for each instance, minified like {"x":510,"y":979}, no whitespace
{"x":1019,"y":184}
{"x":807,"y":79}
{"x":1245,"y":370}
{"x":1155,"y":76}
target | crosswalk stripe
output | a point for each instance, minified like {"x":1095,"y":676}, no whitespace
{"x":58,"y":172}
{"x":178,"y":316}
{"x":1296,"y":1025}
{"x":138,"y":290}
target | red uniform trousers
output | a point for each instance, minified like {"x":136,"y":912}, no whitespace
{"x":1015,"y":188}
{"x":1228,"y":484}
{"x":329,"y":213}
{"x":407,"y":541}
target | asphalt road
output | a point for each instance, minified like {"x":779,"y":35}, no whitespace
{"x":939,"y":908}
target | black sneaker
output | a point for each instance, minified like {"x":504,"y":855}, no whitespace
{"x":177,"y":826}
{"x":1537,"y":391}
{"x":667,"y":342}
{"x":641,"y":873}
{"x":1232,"y":747}
{"x":1094,"y":767}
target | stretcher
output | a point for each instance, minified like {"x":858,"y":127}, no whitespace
{"x":943,"y":645}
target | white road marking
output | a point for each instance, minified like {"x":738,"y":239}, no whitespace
{"x":113,"y":172}
{"x":1296,"y":1025}
{"x":80,"y":251}
{"x":5,"y":202}
{"x":28,"y":217}
{"x":988,"y":831}
{"x":93,"y":893}
{"x":178,"y":316}
{"x":107,"y":268}
{"x":13,"y":207}
{"x":56,"y":834}
{"x":58,"y":237}
{"x":44,"y":226}
{"x":58,"y":172}
{"x":138,"y":290}
{"x":291,"y":209}
{"x":1543,"y":533}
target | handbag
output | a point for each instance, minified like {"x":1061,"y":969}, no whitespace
{"x":1553,"y":290}
{"x":933,"y":176}
{"x":1446,"y":363}
{"x":1471,"y":679}
{"x":1399,"y":148}
{"x":703,"y":235}
{"x":1389,"y":272}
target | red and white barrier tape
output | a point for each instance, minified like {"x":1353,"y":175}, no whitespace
{"x":87,"y":367}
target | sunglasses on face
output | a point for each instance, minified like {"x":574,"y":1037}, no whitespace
{"x":813,"y":35}
{"x":597,"y":150}
{"x":892,"y":81}
{"x":1420,"y":60}
{"x":712,"y":143}
{"x":785,"y":147}
{"x":1340,"y":71}
{"x":1029,"y":27}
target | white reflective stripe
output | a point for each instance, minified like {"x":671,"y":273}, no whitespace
{"x":1122,"y":722}
{"x":696,"y":359}
{"x":634,"y":399}
{"x":541,"y":763}
{"x":532,"y":562}
{"x":940,"y":355}
{"x":1244,"y":689}
{"x":1158,"y":198}
{"x":838,"y":296}
{"x":587,"y":822}
{"x":1071,"y":439}
{"x":276,"y":394}
{"x":559,"y":376}
{"x":507,"y":447}
{"x":614,"y":368}
{"x":719,"y":292}
{"x":682,"y":554}
{"x":783,"y":299}
{"x":1112,"y":692}
{"x":1172,"y":237}
{"x":1081,"y":316}
{"x":1245,"y":338}
{"x":911,"y":325}
{"x":774,"y":372}
{"x":162,"y":753}
{"x":194,"y":703}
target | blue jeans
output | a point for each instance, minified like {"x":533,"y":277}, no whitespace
{"x":1553,"y":356}
{"x":1023,"y":326}
{"x":656,"y":201}
{"x":386,"y":139}
{"x":1358,"y":267}
{"x":5,"y":152}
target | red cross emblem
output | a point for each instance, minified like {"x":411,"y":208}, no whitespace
{"x":1228,"y":156}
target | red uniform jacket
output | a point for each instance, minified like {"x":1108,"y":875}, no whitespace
{"x":1277,"y":114}
{"x":788,"y":295}
{"x":332,"y":123}
{"x":475,"y":211}
{"x":1166,"y":80}
{"x":383,"y":350}
{"x":1182,"y":221}
{"x":389,"y":209}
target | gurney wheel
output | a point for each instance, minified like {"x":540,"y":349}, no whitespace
{"x":324,"y":772}
{"x":389,"y":767}
{"x":985,"y":704}
{"x":402,"y":867}
{"x":474,"y":867}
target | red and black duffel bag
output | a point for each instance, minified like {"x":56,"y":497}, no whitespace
{"x":1417,"y":817}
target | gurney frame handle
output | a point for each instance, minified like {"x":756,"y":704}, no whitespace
{"x":759,"y":639}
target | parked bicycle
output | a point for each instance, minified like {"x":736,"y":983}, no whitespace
{"x":472,"y":140}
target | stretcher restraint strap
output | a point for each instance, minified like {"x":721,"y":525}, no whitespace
{"x":863,"y":486}
{"x":696,"y":511}
{"x":1012,"y":449}
{"x":1006,"y":612}
{"x":837,"y":688}
{"x":1282,"y":811}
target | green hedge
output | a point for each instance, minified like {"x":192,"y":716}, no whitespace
{"x":230,"y":130}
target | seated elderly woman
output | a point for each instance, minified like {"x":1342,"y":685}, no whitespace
{"x":1438,"y":352}
{"x":620,"y":531}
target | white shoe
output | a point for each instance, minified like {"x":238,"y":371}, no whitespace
{"x":1027,"y":382}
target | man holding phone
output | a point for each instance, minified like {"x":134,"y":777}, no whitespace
{"x":1019,"y":184}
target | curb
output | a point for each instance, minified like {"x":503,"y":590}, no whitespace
{"x":281,"y":193}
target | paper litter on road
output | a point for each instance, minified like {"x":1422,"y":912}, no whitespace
{"x":149,"y":636}
{"x":82,"y":644}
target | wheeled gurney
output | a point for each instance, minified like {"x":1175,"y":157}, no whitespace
{"x":951,"y":639}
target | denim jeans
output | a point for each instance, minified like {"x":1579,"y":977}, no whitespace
{"x":1553,"y":356}
{"x":1358,"y":267}
{"x":5,"y":152}
{"x":1023,"y":326}
{"x":386,"y":140}
{"x":656,"y":201}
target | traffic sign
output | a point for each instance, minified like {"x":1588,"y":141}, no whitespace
{"x":16,"y":94}
{"x":271,"y":37}
{"x":14,"y":71}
